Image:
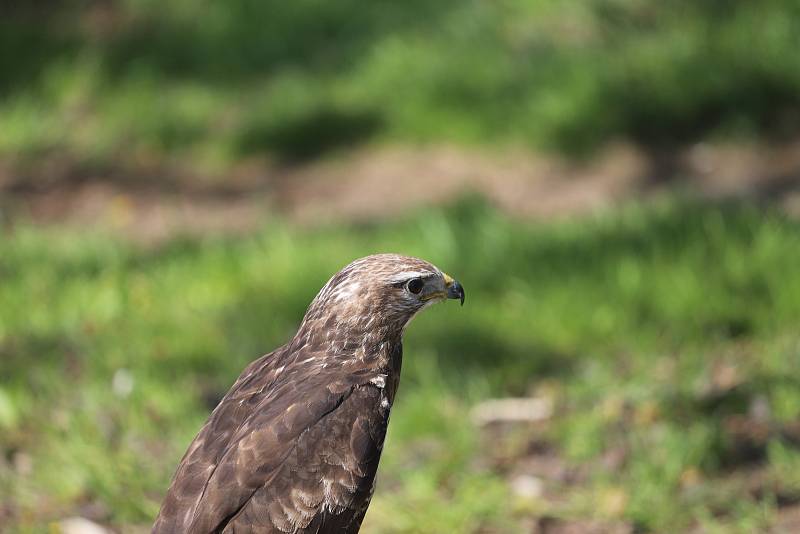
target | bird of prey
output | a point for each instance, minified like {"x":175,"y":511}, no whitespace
{"x":293,"y":447}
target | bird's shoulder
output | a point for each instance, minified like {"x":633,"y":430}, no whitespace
{"x":256,"y":427}
{"x":325,"y":482}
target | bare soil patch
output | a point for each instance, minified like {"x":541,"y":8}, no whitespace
{"x":153,"y":202}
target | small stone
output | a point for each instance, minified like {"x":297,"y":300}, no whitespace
{"x":122,"y":383}
{"x":527,"y":486}
{"x":80,"y":525}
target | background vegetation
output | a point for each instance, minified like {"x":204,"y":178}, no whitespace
{"x":108,"y":81}
{"x":656,"y":333}
{"x":663,"y":333}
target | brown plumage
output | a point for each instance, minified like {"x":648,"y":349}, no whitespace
{"x":294,"y":445}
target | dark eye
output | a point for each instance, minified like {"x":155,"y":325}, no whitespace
{"x":415,"y":285}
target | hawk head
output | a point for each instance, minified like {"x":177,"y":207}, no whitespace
{"x":381,"y":291}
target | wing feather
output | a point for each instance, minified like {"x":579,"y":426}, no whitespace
{"x":310,"y":493}
{"x":277,"y":431}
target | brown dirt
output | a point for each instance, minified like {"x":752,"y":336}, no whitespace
{"x":153,"y":202}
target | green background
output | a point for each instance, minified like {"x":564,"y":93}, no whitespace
{"x":662,"y":331}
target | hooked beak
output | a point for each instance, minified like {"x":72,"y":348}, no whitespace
{"x":454,"y":289}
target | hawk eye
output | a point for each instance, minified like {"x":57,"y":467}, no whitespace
{"x":415,"y":285}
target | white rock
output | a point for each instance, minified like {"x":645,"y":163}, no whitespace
{"x":122,"y":383}
{"x":527,"y":486}
{"x":512,"y":410}
{"x":80,"y":525}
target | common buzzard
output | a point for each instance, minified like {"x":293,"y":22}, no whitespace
{"x":294,"y":445}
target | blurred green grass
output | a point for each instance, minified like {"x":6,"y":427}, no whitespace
{"x":125,"y":82}
{"x":112,"y":355}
